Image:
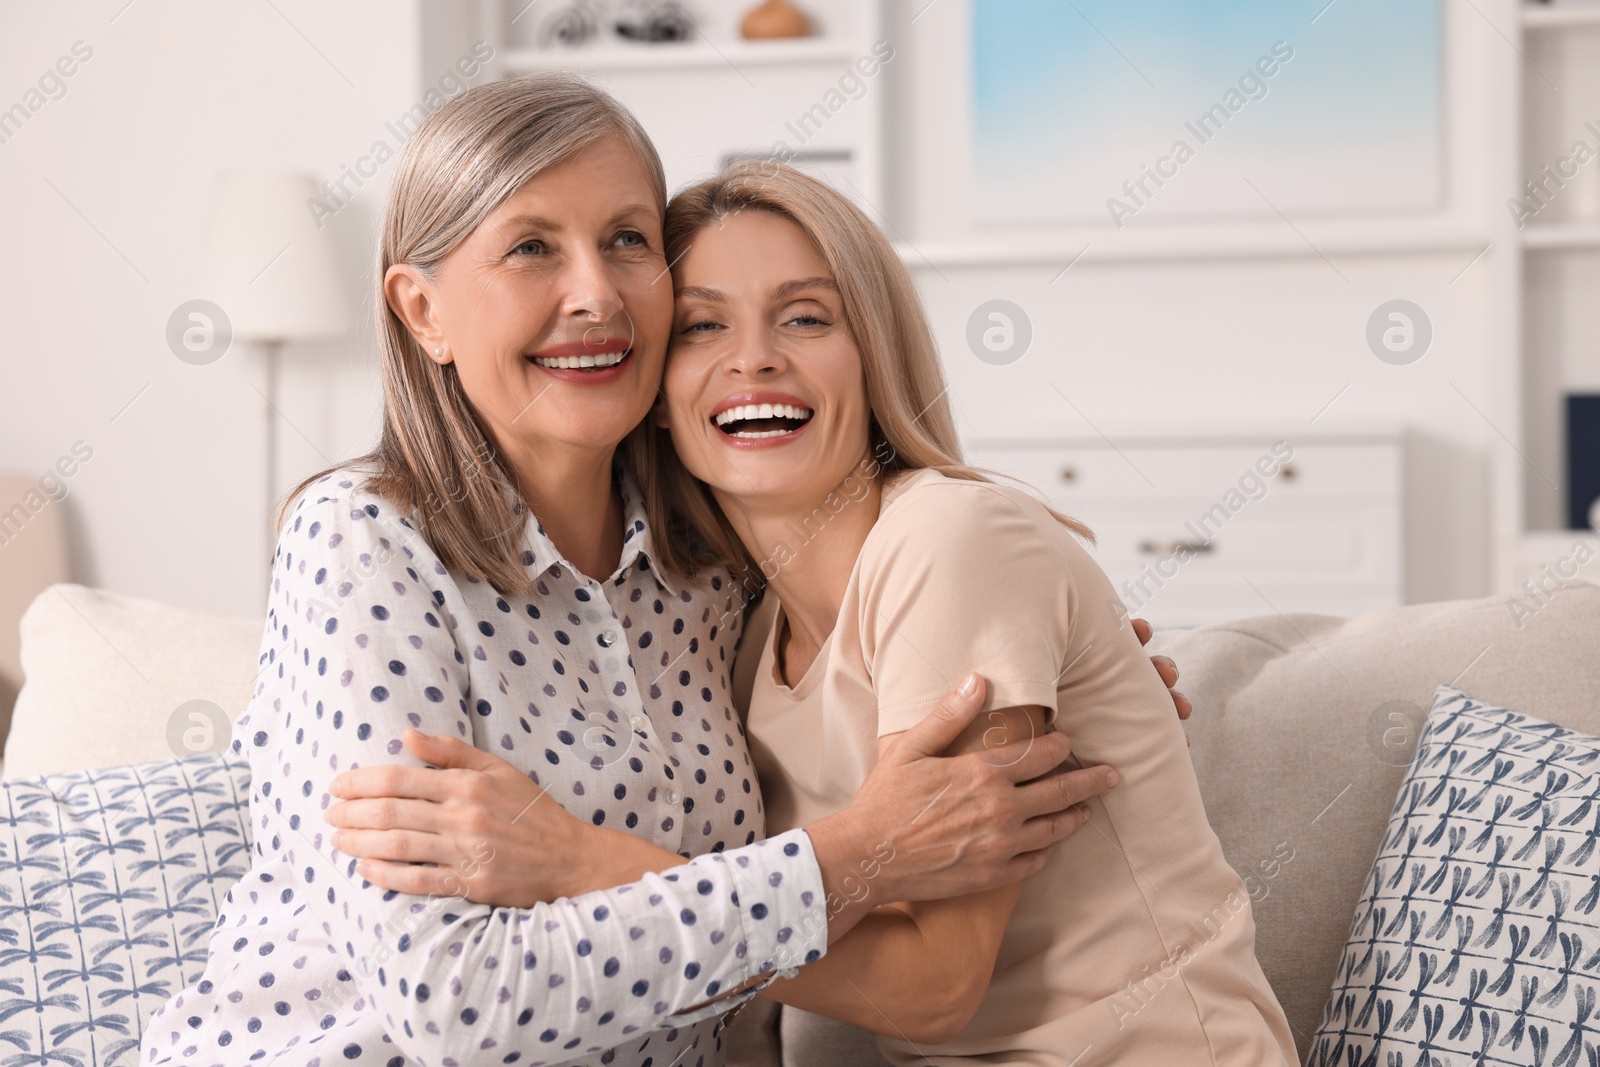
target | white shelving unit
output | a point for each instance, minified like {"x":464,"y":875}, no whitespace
{"x":807,"y":96}
{"x":1545,"y":17}
{"x":1238,"y":241}
{"x":1569,"y":235}
{"x":688,"y":55}
{"x":1549,"y":329}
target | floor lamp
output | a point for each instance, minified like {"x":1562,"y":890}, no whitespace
{"x":277,"y":278}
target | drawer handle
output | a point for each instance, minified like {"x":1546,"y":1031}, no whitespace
{"x":1069,"y":474}
{"x":1172,"y":548}
{"x":1288,"y":472}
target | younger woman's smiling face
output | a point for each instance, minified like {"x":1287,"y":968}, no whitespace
{"x":764,"y":391}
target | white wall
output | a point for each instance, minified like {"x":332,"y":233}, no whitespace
{"x":103,"y":201}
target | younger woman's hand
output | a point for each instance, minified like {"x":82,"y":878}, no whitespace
{"x":477,"y":828}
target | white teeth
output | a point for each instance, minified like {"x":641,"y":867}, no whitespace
{"x":753,"y":434}
{"x":605,"y":359}
{"x":742,"y":412}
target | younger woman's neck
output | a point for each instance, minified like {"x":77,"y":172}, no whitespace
{"x":808,"y":550}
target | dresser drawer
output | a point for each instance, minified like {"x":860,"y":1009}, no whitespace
{"x":1203,"y":530}
{"x":1074,"y":471}
{"x":1201,"y":603}
{"x":1301,"y":544}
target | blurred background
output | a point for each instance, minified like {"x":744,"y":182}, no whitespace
{"x":1293,"y":302}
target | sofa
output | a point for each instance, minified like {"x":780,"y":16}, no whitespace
{"x":122,"y":822}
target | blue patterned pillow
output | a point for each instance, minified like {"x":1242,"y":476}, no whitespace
{"x":1477,"y":938}
{"x":110,"y":883}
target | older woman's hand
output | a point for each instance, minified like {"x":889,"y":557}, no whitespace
{"x":1167,"y":669}
{"x":477,"y":827}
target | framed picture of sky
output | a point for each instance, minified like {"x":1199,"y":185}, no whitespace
{"x":1094,"y":112}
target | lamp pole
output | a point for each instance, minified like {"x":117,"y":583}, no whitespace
{"x":277,"y":276}
{"x":270,"y":351}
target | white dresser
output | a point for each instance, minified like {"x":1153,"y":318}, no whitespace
{"x":1203,"y":527}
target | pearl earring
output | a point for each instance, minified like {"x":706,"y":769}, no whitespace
{"x":439,"y":351}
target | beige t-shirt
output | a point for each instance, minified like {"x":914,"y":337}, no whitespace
{"x":1136,"y":943}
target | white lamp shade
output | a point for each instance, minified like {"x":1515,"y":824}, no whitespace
{"x":272,"y":271}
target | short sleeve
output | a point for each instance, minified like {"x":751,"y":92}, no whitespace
{"x":964,"y":576}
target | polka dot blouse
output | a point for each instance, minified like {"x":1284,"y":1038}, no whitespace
{"x":613,"y":695}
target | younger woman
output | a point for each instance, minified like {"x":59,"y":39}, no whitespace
{"x":813,"y":445}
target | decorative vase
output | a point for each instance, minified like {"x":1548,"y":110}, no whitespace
{"x":774,"y":18}
{"x":653,"y":22}
{"x":568,"y":27}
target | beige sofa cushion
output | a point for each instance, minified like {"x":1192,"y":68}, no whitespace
{"x":104,"y":677}
{"x":1298,"y":755}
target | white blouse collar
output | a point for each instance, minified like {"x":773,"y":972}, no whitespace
{"x":540,"y":553}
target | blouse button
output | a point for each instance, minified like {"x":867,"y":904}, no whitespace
{"x":638,"y":722}
{"x":608,"y":638}
{"x":672,"y":796}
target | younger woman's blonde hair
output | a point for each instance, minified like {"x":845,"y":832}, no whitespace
{"x":912,"y":427}
{"x":435,"y":453}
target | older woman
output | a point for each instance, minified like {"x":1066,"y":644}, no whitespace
{"x":488,"y":575}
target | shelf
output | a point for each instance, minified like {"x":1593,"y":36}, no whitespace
{"x":1545,"y":17}
{"x":1542,"y":544}
{"x":1562,"y":235}
{"x":684,"y":55}
{"x":1246,"y":433}
{"x":1242,"y":241}
{"x":1549,"y":556}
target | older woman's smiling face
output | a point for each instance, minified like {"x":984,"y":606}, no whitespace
{"x":557,"y":308}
